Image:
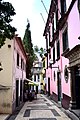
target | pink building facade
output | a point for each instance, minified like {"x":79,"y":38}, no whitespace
{"x":62,"y":45}
{"x":13,"y":75}
{"x":19,"y":71}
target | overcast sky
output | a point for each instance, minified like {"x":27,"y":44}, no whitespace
{"x":30,"y":9}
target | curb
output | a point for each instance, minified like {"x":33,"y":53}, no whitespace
{"x":8,"y":117}
{"x":71,"y":115}
{"x":67,"y":112}
{"x":14,"y":115}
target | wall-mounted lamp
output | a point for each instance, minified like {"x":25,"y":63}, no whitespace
{"x":1,"y":67}
{"x":51,"y":62}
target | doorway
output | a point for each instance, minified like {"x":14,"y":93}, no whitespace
{"x":21,"y":90}
{"x":37,"y":89}
{"x":17,"y":92}
{"x":59,"y":85}
{"x":48,"y":86}
{"x":77,"y":86}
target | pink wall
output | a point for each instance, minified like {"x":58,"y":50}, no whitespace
{"x":73,"y":34}
{"x":48,"y":74}
{"x":19,"y":72}
{"x":74,"y":27}
{"x":65,"y":86}
{"x":63,"y":61}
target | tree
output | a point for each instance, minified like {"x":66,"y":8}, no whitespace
{"x":6,"y":30}
{"x":27,"y":42}
{"x":40,"y":51}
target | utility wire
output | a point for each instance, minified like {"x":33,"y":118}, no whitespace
{"x":44,"y":6}
{"x":42,"y":17}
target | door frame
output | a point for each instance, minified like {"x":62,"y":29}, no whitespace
{"x":59,"y":85}
{"x":48,"y":86}
{"x":77,"y":86}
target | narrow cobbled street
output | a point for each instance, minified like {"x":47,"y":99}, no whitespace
{"x":40,"y":109}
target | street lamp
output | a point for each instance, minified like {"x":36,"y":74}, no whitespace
{"x":51,"y":62}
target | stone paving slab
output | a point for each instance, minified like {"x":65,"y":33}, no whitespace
{"x":39,"y":107}
{"x":43,"y":119}
{"x":76,"y":112}
{"x":41,"y":114}
{"x":35,"y":110}
{"x":27,"y":113}
{"x":48,"y":104}
{"x":55,"y":112}
{"x":3,"y":116}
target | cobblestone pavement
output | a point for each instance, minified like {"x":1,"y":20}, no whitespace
{"x":40,"y":109}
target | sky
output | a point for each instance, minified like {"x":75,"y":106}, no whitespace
{"x":31,"y":9}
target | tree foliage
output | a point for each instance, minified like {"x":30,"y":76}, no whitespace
{"x":27,"y":42}
{"x":40,"y":51}
{"x":6,"y":30}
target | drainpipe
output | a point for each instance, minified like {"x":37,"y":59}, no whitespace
{"x":61,"y":63}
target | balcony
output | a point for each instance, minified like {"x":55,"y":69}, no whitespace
{"x":36,"y":70}
{"x":56,"y":35}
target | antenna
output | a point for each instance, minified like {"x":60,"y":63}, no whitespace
{"x":42,"y":17}
{"x":44,"y":6}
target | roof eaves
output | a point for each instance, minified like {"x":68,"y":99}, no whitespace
{"x":50,"y":16}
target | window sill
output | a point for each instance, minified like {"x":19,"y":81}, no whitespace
{"x":17,"y":66}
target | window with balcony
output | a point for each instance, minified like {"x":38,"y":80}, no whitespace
{"x":56,"y":18}
{"x":54,"y":54}
{"x":65,"y":40}
{"x":23,"y":65}
{"x":17,"y":59}
{"x":58,"y":49}
{"x":63,"y":6}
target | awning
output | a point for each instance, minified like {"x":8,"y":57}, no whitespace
{"x":33,"y":83}
{"x":30,"y":82}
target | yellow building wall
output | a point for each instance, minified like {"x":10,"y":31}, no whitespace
{"x":6,"y":58}
{"x":43,"y":71}
{"x":42,"y":81}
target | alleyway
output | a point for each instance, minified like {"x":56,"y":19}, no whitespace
{"x":40,"y":109}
